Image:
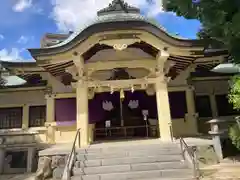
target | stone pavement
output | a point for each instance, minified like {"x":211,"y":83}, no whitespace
{"x":17,"y":177}
{"x":226,"y":170}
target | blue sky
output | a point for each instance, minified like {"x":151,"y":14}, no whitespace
{"x":24,"y":22}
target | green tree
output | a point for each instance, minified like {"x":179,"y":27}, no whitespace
{"x":219,"y":19}
{"x":220,"y":29}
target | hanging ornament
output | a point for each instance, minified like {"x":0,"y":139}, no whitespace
{"x":132,"y":89}
{"x":112,"y":90}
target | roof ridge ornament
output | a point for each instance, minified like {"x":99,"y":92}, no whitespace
{"x":118,"y":6}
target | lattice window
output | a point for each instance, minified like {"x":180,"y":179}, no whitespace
{"x":10,"y":118}
{"x":37,"y":116}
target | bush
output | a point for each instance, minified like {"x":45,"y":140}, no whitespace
{"x":234,"y":134}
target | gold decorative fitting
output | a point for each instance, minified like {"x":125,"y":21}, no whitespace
{"x":119,"y":44}
{"x":120,"y":47}
{"x":122,"y":95}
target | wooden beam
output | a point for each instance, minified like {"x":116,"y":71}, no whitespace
{"x":215,"y":59}
{"x":122,"y":83}
{"x":107,"y":65}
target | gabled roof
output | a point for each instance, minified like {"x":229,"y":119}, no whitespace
{"x":118,"y":16}
{"x":118,"y":6}
{"x":21,"y":66}
{"x":28,"y":71}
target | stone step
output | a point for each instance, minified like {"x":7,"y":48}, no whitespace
{"x":128,"y":160}
{"x":121,"y":154}
{"x":176,"y":178}
{"x":171,"y":173}
{"x":128,"y":167}
{"x":114,"y":149}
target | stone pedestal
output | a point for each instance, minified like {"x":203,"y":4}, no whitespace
{"x":164,"y":115}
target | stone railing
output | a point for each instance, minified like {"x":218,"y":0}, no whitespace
{"x":16,"y":138}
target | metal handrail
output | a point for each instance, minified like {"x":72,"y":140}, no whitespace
{"x":192,"y":154}
{"x":71,"y":157}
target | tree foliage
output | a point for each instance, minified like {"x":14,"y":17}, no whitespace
{"x":234,"y":93}
{"x":234,"y":134}
{"x":220,"y":21}
{"x":219,"y":18}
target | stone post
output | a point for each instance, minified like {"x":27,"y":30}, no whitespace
{"x":191,"y":116}
{"x":164,"y":115}
{"x":25,"y":117}
{"x":82,"y":112}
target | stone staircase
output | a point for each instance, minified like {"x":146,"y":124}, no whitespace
{"x":135,"y":161}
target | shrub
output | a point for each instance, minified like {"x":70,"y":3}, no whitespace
{"x":234,"y":134}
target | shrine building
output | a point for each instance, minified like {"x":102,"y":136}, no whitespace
{"x":122,"y":76}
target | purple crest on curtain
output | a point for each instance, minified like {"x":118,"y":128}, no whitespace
{"x":96,"y":110}
{"x":145,"y":102}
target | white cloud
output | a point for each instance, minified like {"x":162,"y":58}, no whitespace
{"x":12,"y":55}
{"x":73,"y":14}
{"x":1,"y":37}
{"x":22,"y":5}
{"x":23,"y":40}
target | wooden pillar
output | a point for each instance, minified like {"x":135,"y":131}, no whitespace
{"x":163,"y":107}
{"x":213,"y":105}
{"x":2,"y":158}
{"x":91,"y":132}
{"x":191,"y":116}
{"x":50,"y":119}
{"x":30,"y":157}
{"x":82,"y":112}
{"x":25,"y":117}
{"x":50,"y":108}
{"x":164,"y":115}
